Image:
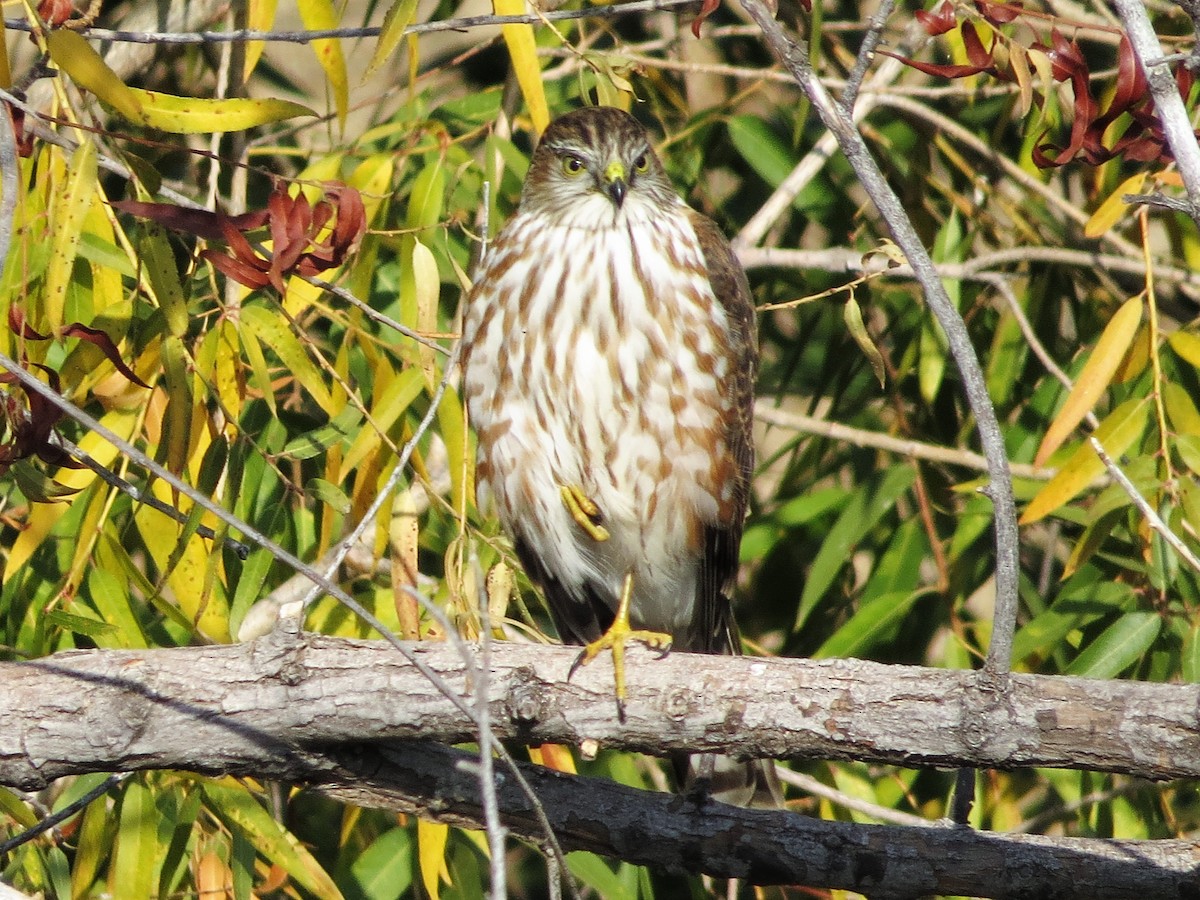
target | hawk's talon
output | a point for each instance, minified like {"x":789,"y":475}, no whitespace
{"x":615,"y":639}
{"x":584,"y":511}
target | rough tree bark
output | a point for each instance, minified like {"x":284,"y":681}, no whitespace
{"x":355,"y":719}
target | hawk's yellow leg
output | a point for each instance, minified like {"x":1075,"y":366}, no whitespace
{"x":618,"y":634}
{"x":584,"y":511}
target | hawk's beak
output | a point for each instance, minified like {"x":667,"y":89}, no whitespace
{"x":615,"y":182}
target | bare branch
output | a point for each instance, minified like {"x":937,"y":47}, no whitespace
{"x":226,"y":708}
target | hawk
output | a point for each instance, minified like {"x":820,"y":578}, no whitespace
{"x":609,"y":362}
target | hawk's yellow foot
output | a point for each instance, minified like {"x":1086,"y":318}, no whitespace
{"x":618,"y":634}
{"x":584,"y":511}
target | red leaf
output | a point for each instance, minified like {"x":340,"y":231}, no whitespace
{"x":943,"y":71}
{"x":200,"y":222}
{"x":974,"y":47}
{"x":998,"y":13}
{"x":107,"y":347}
{"x":17,"y":324}
{"x":706,"y":10}
{"x":939,"y":21}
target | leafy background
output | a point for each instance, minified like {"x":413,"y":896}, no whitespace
{"x":289,"y":405}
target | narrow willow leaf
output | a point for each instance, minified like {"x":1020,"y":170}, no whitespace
{"x":321,"y":15}
{"x":1181,"y":410}
{"x":522,"y":50}
{"x":68,"y":211}
{"x":872,"y":623}
{"x":233,"y":805}
{"x":384,"y":870}
{"x":852,"y":315}
{"x":1082,"y":601}
{"x":272,"y":329}
{"x":866,"y":507}
{"x":158,"y":261}
{"x":1117,"y":433}
{"x":1118,"y":647}
{"x":133,"y":869}
{"x":196,"y":115}
{"x":1095,"y":377}
{"x":260,"y":16}
{"x":1191,"y":655}
{"x":431,"y":854}
{"x":404,"y":531}
{"x":1114,"y":207}
{"x":1187,"y":346}
{"x":74,"y":55}
{"x":761,"y":148}
{"x":398,"y":17}
{"x":427,"y":284}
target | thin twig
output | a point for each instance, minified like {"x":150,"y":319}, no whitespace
{"x":768,"y":414}
{"x":1153,"y":519}
{"x":818,"y":788}
{"x":866,"y":54}
{"x":63,"y":814}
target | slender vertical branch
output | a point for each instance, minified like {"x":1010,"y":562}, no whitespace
{"x":1167,"y":102}
{"x":794,"y":56}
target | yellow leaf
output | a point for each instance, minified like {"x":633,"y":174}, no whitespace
{"x":522,"y":49}
{"x":399,"y":16}
{"x":201,"y":599}
{"x":431,"y":849}
{"x":1020,"y":67}
{"x":196,"y":115}
{"x":1116,"y":434}
{"x":260,"y":16}
{"x":1182,"y":412}
{"x":320,"y":15}
{"x":852,"y":314}
{"x":68,"y":210}
{"x":404,"y":533}
{"x":75,"y":56}
{"x":271,"y":328}
{"x":428,"y":285}
{"x":1094,"y":379}
{"x":44,"y":516}
{"x":1187,"y":346}
{"x":159,"y":263}
{"x":1114,"y":207}
{"x":461,"y":458}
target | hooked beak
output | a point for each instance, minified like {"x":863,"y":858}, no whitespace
{"x":615,"y":183}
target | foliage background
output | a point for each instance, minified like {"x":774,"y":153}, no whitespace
{"x":289,"y":410}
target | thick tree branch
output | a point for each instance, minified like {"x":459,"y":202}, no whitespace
{"x":347,"y":716}
{"x":679,"y":834}
{"x":229,"y":708}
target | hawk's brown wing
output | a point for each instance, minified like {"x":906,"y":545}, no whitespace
{"x":715,"y":623}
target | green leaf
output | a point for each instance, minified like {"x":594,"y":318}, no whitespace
{"x":235,"y":806}
{"x":385,"y":869}
{"x":272,"y":329}
{"x":866,"y":507}
{"x":1083,"y":600}
{"x":84,"y":625}
{"x":1118,"y":647}
{"x":134,"y":866}
{"x":874,"y":622}
{"x":759,"y":146}
{"x":596,"y":874}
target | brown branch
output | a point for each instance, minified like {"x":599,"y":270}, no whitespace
{"x":221,"y":708}
{"x":327,"y":712}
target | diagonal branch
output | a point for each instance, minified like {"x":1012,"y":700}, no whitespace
{"x":795,"y":59}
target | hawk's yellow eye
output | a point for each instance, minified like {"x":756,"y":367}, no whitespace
{"x":642,"y":163}
{"x":572,"y":165}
